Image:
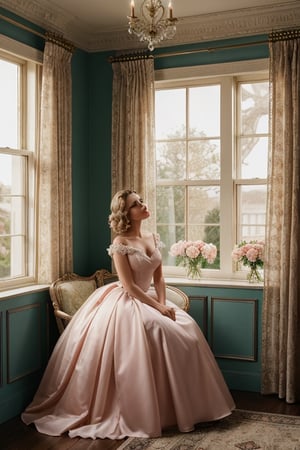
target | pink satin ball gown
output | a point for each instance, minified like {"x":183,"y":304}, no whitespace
{"x":122,"y":369}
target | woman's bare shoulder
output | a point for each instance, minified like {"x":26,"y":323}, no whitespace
{"x":120,"y":240}
{"x":120,"y":246}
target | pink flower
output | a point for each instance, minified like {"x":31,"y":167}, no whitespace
{"x":249,"y":253}
{"x":252,"y":254}
{"x":178,"y":249}
{"x":209,"y":252}
{"x":237,"y":254}
{"x":192,"y":251}
{"x":199,"y":244}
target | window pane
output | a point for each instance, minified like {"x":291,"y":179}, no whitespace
{"x":12,"y":215}
{"x":18,"y":256}
{"x":9,"y":104}
{"x":170,"y":210}
{"x":204,"y":111}
{"x":170,"y":116}
{"x":204,"y":217}
{"x":171,"y":160}
{"x":254,"y":157}
{"x":168,"y":238}
{"x":170,"y":204}
{"x":12,"y":174}
{"x":12,"y":261}
{"x":252,"y":212}
{"x":254,"y":108}
{"x":12,"y":256}
{"x":204,"y":160}
{"x":4,"y":253}
{"x":203,"y":210}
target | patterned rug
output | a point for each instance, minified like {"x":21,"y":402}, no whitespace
{"x":243,"y":430}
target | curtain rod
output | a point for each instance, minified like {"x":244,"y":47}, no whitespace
{"x":211,"y":49}
{"x":47,"y":36}
{"x":284,"y":35}
{"x":143,"y":54}
{"x":146,"y":54}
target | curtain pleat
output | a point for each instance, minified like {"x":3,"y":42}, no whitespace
{"x":133,"y":162}
{"x":281,"y":310}
{"x":55,"y":247}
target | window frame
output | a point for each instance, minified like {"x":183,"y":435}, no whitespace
{"x":227,"y":74}
{"x":30,"y":61}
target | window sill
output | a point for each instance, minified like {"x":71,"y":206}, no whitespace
{"x":235,"y":284}
{"x":180,"y":281}
{"x":16,"y":292}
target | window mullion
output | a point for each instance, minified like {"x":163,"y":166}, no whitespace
{"x":227,"y":163}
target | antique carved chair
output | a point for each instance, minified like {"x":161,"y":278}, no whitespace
{"x":70,"y":291}
{"x":178,"y":297}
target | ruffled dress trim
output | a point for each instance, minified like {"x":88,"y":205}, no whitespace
{"x":129,"y":250}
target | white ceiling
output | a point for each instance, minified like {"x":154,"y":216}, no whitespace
{"x":102,"y":24}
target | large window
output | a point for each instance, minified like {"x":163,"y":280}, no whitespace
{"x":19,"y":87}
{"x":211,"y":151}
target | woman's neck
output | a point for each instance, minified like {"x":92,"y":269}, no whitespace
{"x":134,"y":232}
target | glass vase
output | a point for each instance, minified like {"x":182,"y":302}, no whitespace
{"x":193,"y":271}
{"x":254,"y":275}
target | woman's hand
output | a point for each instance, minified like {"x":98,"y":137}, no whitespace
{"x":167,"y":311}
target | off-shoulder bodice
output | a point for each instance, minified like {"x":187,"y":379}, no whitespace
{"x":142,"y":265}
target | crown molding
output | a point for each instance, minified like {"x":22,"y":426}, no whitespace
{"x":206,"y":27}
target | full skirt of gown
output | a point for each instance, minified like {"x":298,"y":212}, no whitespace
{"x":122,"y":369}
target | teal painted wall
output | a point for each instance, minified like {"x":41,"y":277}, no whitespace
{"x":80,"y":161}
{"x":27,"y":336}
{"x":100,"y":94}
{"x":230,"y":319}
{"x":29,"y":318}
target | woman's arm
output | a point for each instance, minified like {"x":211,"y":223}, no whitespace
{"x":160,"y":285}
{"x":125,"y":276}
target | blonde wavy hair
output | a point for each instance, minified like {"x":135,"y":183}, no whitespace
{"x":118,"y":220}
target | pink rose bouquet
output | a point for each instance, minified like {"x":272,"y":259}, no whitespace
{"x":193,"y":255}
{"x":250,"y":254}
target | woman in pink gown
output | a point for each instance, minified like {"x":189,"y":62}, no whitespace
{"x":130,"y":362}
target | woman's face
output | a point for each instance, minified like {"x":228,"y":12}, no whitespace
{"x":136,"y":208}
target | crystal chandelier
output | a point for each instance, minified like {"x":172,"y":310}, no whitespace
{"x":152,"y":27}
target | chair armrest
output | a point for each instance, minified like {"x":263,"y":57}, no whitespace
{"x":178,"y":297}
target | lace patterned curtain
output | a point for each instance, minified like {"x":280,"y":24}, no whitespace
{"x":132,"y":128}
{"x":281,"y":311}
{"x":55,"y":249}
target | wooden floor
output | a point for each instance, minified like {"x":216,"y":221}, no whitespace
{"x":14,"y":435}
